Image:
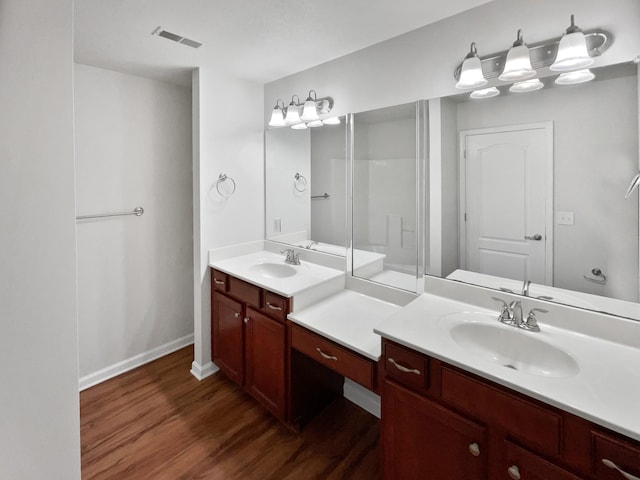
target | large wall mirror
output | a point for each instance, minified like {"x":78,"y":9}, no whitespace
{"x":534,"y":187}
{"x":305,"y":187}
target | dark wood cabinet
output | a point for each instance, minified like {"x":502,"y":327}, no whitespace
{"x":265,"y":360}
{"x":423,"y":440}
{"x":248,"y":339}
{"x":432,"y":410}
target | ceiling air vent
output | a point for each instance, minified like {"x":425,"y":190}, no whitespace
{"x":176,"y":38}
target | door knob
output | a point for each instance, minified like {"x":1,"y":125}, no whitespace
{"x":536,"y":237}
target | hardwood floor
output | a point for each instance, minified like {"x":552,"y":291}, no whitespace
{"x":158,"y":422}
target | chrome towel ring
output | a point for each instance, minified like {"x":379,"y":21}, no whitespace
{"x":300,"y":183}
{"x":223,"y":177}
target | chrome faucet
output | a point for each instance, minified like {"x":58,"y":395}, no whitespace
{"x":310,"y":244}
{"x":515,"y":308}
{"x":292,"y":258}
{"x":525,"y":287}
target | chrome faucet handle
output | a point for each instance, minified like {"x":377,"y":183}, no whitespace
{"x":505,"y":313}
{"x":532,"y":323}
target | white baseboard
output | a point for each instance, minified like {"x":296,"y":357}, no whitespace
{"x":203,"y":371}
{"x":133,"y":362}
{"x":362,"y":397}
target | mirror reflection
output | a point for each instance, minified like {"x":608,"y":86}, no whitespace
{"x":386,"y":174}
{"x":306,"y":187}
{"x":533,"y":186}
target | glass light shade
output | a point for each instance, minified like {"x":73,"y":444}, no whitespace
{"x":299,"y":126}
{"x":331,"y":121}
{"x":293,"y":116}
{"x":573,"y":78}
{"x":526,"y":86}
{"x":518,"y":65}
{"x":572,"y":53}
{"x":471,"y":75}
{"x":485,"y":93}
{"x":309,"y":112}
{"x":315,"y":123}
{"x":277,"y":118}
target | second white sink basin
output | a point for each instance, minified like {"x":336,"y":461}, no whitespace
{"x":273,"y":270}
{"x":513,"y":348}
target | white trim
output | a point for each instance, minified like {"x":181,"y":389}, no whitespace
{"x":203,"y":371}
{"x":133,"y":362}
{"x":549,"y":216}
{"x":362,"y":397}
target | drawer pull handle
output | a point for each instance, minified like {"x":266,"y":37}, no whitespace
{"x":273,"y":307}
{"x":474,"y":449}
{"x":237,"y":314}
{"x":613,"y":466}
{"x":404,"y":369}
{"x":514,"y":472}
{"x":324,"y":355}
{"x":219,"y":282}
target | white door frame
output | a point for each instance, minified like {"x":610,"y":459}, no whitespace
{"x":548,"y":129}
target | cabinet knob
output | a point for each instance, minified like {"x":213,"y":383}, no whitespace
{"x":237,"y":314}
{"x":514,"y":472}
{"x":474,"y":449}
{"x":246,"y":319}
{"x":613,"y":466}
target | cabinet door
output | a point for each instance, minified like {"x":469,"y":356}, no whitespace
{"x":226,"y":336}
{"x":423,"y":440}
{"x":524,"y":465}
{"x":265,"y":361}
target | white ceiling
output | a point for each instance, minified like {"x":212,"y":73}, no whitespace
{"x":260,"y":40}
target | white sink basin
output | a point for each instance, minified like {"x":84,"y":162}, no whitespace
{"x":512,"y":348}
{"x":273,"y":270}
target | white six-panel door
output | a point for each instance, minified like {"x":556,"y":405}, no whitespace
{"x":506,"y":200}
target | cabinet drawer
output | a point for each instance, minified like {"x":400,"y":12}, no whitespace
{"x":625,"y":455}
{"x":335,"y":357}
{"x":520,"y":463}
{"x":530,"y":423}
{"x":250,"y":294}
{"x":219,"y":280}
{"x":405,"y":366}
{"x":275,"y":306}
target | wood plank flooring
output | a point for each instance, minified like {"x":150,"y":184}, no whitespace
{"x":158,"y":422}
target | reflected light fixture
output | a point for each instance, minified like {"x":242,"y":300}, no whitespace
{"x":572,"y":51}
{"x":573,"y":78}
{"x":299,"y":126}
{"x":293,"y":116}
{"x":530,"y":85}
{"x":485,"y":93}
{"x":277,"y":115}
{"x":331,"y":121}
{"x":471,"y":75}
{"x":315,"y":123}
{"x":310,"y":110}
{"x":518,"y":64}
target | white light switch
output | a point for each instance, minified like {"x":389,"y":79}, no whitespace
{"x":565,"y":218}
{"x":277,"y":225}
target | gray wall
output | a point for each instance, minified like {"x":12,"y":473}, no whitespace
{"x":133,"y":148}
{"x":38,"y":342}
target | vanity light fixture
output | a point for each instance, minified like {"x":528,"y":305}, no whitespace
{"x":293,"y":116}
{"x":312,"y":109}
{"x":572,"y":51}
{"x":573,"y":78}
{"x":277,"y":115}
{"x":530,"y":85}
{"x":485,"y":93}
{"x":518,"y":64}
{"x":471,"y":75}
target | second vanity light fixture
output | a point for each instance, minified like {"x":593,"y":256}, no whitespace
{"x":299,"y":115}
{"x":570,"y":56}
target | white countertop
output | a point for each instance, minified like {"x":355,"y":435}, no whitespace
{"x":308,"y":274}
{"x":606,"y":389}
{"x":348,"y":318}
